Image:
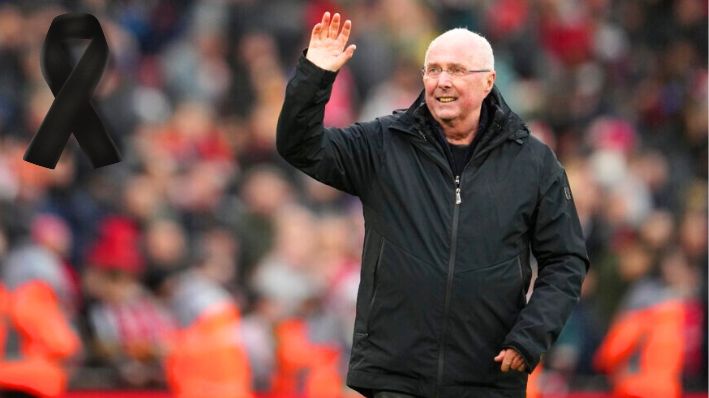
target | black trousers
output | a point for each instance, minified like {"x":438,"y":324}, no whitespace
{"x":392,"y":394}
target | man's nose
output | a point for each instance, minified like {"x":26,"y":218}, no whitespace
{"x":444,"y":79}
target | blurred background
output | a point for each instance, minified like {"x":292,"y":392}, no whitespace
{"x":202,"y":210}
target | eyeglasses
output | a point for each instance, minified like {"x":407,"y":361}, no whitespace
{"x":455,"y":71}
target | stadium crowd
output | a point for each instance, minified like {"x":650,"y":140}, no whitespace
{"x":192,"y":94}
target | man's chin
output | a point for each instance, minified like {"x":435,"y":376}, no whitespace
{"x":446,"y":117}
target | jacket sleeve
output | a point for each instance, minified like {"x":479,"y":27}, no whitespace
{"x":342,"y":158}
{"x":558,"y":244}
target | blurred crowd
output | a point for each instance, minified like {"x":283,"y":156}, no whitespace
{"x":191,"y":96}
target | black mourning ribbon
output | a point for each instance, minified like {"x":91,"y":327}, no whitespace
{"x":72,"y":87}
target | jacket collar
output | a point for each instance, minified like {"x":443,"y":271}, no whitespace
{"x":504,"y":123}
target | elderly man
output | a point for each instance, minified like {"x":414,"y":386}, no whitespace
{"x":456,"y":194}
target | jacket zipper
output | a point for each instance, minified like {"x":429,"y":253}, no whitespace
{"x":451,"y":262}
{"x":449,"y":285}
{"x":458,"y":200}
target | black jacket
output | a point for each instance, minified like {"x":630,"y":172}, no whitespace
{"x":446,"y":259}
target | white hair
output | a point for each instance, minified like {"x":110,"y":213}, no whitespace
{"x":482,"y":47}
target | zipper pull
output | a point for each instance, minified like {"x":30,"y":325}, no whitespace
{"x":458,"y":200}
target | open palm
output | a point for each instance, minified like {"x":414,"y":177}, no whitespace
{"x":327,"y":43}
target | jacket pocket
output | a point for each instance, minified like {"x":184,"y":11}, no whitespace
{"x":399,"y":332}
{"x":523,"y":290}
{"x":373,"y":297}
{"x":485,"y":305}
{"x":371,"y":259}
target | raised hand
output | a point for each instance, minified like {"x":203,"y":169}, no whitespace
{"x":327,"y":43}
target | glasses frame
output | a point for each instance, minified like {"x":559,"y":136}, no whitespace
{"x":457,"y":74}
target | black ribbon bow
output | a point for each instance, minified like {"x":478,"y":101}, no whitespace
{"x":72,"y":88}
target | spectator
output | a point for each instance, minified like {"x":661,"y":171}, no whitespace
{"x":127,"y":325}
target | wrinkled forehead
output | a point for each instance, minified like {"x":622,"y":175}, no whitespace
{"x":456,"y":49}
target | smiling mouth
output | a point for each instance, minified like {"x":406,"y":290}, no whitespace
{"x":446,"y":99}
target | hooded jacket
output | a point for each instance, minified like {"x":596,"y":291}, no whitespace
{"x":446,"y":258}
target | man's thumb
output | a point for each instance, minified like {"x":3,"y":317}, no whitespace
{"x":500,"y":356}
{"x":348,"y":53}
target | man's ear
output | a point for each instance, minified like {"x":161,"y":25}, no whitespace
{"x":490,"y":81}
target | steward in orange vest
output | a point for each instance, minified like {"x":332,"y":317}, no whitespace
{"x":205,"y":357}
{"x":305,"y":368}
{"x":643,"y":350}
{"x":35,"y":334}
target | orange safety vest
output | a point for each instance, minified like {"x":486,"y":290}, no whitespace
{"x":644,"y":352}
{"x":205,"y":357}
{"x":533,"y":383}
{"x":32,"y":312}
{"x":305,"y":368}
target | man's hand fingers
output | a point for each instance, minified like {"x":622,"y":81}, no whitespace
{"x":344,"y":35}
{"x":507,"y":360}
{"x":334,"y":26}
{"x":328,"y":47}
{"x":499,"y":356}
{"x":517,"y":363}
{"x":325,"y":25}
{"x":348,"y":53}
{"x":315,"y":35}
